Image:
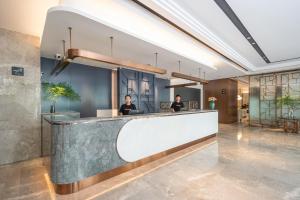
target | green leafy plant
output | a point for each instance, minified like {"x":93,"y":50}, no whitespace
{"x":52,"y":92}
{"x":290,"y":102}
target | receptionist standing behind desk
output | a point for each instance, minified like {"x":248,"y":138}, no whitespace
{"x":127,"y":107}
{"x":177,"y":105}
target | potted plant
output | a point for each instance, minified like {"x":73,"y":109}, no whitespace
{"x":54,"y":91}
{"x":211,"y":101}
{"x":290,"y":102}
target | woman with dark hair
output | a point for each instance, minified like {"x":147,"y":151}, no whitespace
{"x":127,"y":107}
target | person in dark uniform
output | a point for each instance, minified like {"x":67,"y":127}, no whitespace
{"x":125,"y":108}
{"x":177,"y":105}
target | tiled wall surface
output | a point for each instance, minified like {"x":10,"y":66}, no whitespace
{"x":19,"y":97}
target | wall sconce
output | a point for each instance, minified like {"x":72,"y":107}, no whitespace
{"x":146,"y":88}
{"x":130,"y":86}
{"x":239,"y":97}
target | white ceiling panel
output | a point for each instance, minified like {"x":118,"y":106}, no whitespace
{"x":274,"y":24}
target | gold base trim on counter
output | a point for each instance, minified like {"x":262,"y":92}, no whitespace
{"x":64,"y":189}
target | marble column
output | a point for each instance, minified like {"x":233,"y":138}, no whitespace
{"x":20,"y":130}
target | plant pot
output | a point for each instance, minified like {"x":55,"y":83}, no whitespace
{"x":291,"y":113}
{"x":212,"y":105}
{"x":52,"y":109}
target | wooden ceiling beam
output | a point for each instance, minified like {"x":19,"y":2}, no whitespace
{"x":74,"y":53}
{"x":181,"y":85}
{"x":188,"y":77}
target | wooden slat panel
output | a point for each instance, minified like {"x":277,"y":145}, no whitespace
{"x":74,"y":53}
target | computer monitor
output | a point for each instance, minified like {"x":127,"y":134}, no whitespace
{"x":135,"y":112}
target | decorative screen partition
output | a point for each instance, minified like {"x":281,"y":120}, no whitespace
{"x":265,"y":90}
{"x":140,"y":86}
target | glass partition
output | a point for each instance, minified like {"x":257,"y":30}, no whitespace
{"x":265,"y":90}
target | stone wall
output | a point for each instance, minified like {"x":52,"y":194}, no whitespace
{"x":20,"y":135}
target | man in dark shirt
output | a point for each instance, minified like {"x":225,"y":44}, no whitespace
{"x":125,"y":108}
{"x":177,"y":105}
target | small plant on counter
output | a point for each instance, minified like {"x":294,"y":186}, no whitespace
{"x":211,"y":101}
{"x":52,"y":92}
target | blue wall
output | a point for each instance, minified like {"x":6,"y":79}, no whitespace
{"x":91,"y":83}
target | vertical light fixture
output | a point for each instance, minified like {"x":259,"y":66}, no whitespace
{"x":130,"y":85}
{"x":111,"y":45}
{"x":156,"y":55}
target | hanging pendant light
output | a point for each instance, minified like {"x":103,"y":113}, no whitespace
{"x":187,"y":77}
{"x":80,"y":53}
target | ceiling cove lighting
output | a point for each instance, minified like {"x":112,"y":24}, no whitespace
{"x":171,"y":7}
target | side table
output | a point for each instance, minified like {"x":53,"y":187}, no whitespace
{"x":291,"y":125}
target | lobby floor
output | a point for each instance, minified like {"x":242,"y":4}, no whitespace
{"x":241,"y":163}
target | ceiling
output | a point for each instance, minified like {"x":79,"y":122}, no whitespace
{"x":25,"y":16}
{"x":274,"y":24}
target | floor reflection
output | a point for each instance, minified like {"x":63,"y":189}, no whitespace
{"x":241,"y":163}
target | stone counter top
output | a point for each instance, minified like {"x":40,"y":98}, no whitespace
{"x":62,"y":119}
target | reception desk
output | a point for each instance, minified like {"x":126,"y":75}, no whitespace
{"x":88,"y":150}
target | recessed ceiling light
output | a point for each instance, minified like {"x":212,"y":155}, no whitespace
{"x":248,"y":38}
{"x":253,"y":43}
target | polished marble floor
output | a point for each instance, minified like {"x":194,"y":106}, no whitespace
{"x":241,"y":163}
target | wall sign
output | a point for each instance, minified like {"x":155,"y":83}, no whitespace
{"x":17,"y":71}
{"x":223,"y":91}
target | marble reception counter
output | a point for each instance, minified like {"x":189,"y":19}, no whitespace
{"x":88,"y":150}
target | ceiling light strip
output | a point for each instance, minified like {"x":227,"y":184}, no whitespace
{"x":240,"y":26}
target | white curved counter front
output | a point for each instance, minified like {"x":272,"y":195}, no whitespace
{"x":143,"y":137}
